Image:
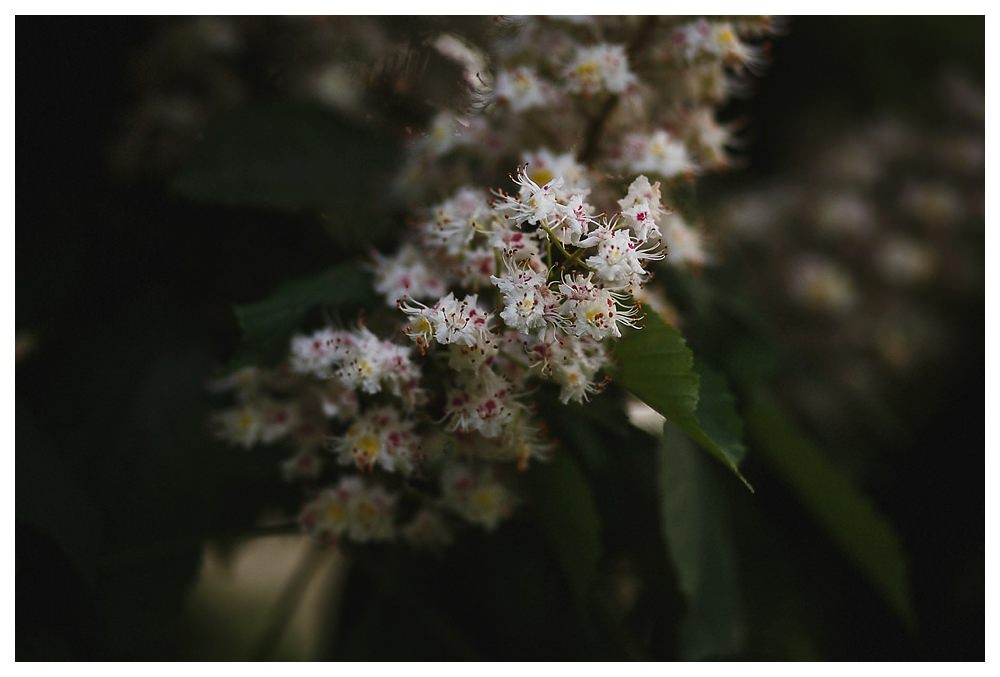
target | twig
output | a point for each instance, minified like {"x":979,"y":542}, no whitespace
{"x":570,"y":258}
{"x":595,"y":129}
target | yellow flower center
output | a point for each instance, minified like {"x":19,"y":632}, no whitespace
{"x":422,"y":326}
{"x":594,"y":314}
{"x":335,"y":513}
{"x":486,"y":499}
{"x":541,"y":176}
{"x":587,"y":69}
{"x":366,"y":448}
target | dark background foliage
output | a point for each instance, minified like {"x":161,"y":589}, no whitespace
{"x":127,"y":291}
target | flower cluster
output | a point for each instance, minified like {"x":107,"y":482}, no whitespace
{"x":562,"y":279}
{"x":495,"y":299}
{"x":870,"y":244}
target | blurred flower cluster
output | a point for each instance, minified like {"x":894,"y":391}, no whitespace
{"x":421,"y":412}
{"x":378,"y":69}
{"x":870,"y":250}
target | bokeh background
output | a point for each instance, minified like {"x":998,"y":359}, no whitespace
{"x":139,"y":537}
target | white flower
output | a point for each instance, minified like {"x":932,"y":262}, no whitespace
{"x":523,"y":442}
{"x":600,"y":68}
{"x":703,"y":39}
{"x":482,"y":403}
{"x":535,"y":204}
{"x":543,"y":166}
{"x":639,"y":219}
{"x":694,"y":40}
{"x":305,"y":465}
{"x":369,"y":364}
{"x":521,"y":89}
{"x":709,"y":82}
{"x":579,"y":218}
{"x":448,"y":131}
{"x":337,"y":401}
{"x":422,"y":323}
{"x":903,"y":260}
{"x":618,"y":261}
{"x":472,"y":358}
{"x":684,"y":246}
{"x":734,"y":51}
{"x":475,"y":265}
{"x":821,"y":284}
{"x":372,"y":516}
{"x":461,"y":321}
{"x":844,"y":213}
{"x":380,"y":437}
{"x":259,"y":422}
{"x":238,"y":426}
{"x":708,"y":137}
{"x":529,"y":303}
{"x":573,"y":363}
{"x":350,"y":508}
{"x":318,"y":352}
{"x":328,"y":516}
{"x":335,"y":85}
{"x":658,"y":153}
{"x":459,"y":324}
{"x":456,"y":221}
{"x":933,"y":204}
{"x":513,"y":242}
{"x":593,"y":310}
{"x":476,"y":497}
{"x":407,"y":275}
{"x":562,"y":213}
{"x":641,"y":209}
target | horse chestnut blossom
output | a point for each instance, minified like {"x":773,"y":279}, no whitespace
{"x":658,"y":153}
{"x":599,"y":68}
{"x":380,"y":437}
{"x":521,"y":89}
{"x":352,"y":508}
{"x":501,"y":290}
{"x":529,"y":302}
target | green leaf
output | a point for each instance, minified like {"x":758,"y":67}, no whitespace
{"x":864,"y":535}
{"x":720,"y":428}
{"x":268,"y":324}
{"x":657,"y":367}
{"x":564,"y":508}
{"x":286,"y":156}
{"x":695,"y":519}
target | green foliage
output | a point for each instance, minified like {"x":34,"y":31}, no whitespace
{"x":694,"y":514}
{"x":268,"y":324}
{"x":866,"y":537}
{"x":720,"y":428}
{"x":657,"y":367}
{"x":564,"y":508}
{"x":283,"y":156}
{"x":298,"y":159}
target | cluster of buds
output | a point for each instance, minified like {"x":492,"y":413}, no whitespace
{"x":494,"y":297}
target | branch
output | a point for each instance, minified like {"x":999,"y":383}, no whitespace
{"x":595,"y":129}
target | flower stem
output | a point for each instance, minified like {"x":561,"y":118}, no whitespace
{"x":570,"y":258}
